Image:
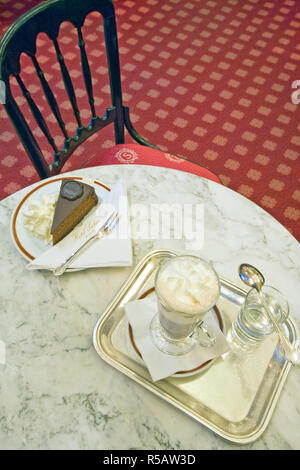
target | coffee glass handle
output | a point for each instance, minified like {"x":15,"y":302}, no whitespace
{"x":204,"y":336}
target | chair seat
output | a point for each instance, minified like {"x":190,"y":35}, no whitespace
{"x":135,"y":154}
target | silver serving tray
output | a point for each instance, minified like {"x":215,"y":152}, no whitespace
{"x":234,"y":397}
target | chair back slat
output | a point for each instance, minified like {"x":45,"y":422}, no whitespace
{"x":26,"y":136}
{"x":68,"y":83}
{"x":50,"y":97}
{"x":86,"y":72}
{"x":37,"y":114}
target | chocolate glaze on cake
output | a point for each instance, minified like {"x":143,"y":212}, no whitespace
{"x":75,"y":200}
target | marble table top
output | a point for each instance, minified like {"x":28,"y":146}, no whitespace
{"x":55,"y":391}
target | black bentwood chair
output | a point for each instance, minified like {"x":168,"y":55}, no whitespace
{"x":21,"y":37}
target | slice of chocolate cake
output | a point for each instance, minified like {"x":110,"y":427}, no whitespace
{"x":75,"y":200}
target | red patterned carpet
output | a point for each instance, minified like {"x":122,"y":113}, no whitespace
{"x":207,"y":79}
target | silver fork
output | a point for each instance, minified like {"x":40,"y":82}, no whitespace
{"x":104,"y":230}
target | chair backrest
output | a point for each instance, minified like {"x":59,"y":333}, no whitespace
{"x":21,"y":37}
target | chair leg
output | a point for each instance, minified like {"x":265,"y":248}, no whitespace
{"x":134,"y":134}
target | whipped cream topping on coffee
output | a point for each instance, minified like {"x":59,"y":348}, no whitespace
{"x":188,"y":285}
{"x":38,"y":217}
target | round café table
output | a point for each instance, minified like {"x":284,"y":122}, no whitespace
{"x":55,"y":391}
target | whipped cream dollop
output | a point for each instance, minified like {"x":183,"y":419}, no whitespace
{"x":188,"y":285}
{"x":38,"y":217}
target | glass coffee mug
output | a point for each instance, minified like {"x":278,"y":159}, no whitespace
{"x":187,"y":287}
{"x":252,"y":324}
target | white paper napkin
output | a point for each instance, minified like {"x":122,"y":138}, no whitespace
{"x":114,"y":249}
{"x":160,"y":365}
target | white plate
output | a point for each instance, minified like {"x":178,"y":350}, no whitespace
{"x":27,"y":245}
